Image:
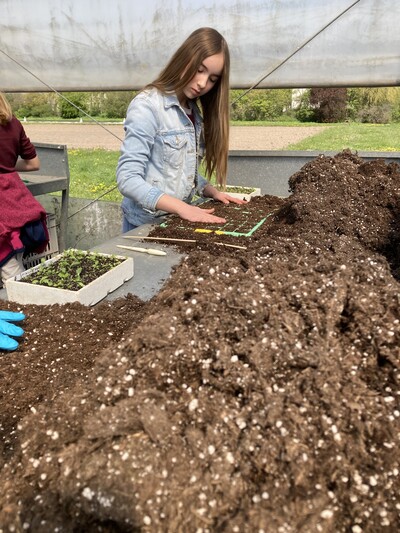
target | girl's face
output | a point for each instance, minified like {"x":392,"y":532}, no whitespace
{"x":205,"y":78}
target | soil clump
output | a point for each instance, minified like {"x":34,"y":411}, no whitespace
{"x":257,"y":391}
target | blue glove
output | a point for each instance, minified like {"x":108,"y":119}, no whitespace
{"x":8,"y":330}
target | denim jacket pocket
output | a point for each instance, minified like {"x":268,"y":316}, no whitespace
{"x":174,"y":150}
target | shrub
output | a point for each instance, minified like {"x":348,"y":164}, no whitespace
{"x":68,"y":110}
{"x":396,"y":114}
{"x":360,"y":99}
{"x":303,"y":111}
{"x":116,"y":103}
{"x":376,"y":114}
{"x":260,"y":104}
{"x":33,"y":104}
{"x":329,"y":103}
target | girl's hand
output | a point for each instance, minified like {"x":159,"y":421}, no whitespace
{"x":225,"y":198}
{"x":219,"y":196}
{"x":193,"y":213}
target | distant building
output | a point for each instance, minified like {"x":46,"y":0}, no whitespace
{"x":296,"y":97}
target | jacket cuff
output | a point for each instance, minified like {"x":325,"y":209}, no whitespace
{"x":151,"y":199}
{"x":201,"y":184}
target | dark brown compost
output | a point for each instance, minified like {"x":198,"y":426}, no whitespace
{"x":257,"y":392}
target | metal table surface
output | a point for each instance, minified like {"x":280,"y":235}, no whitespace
{"x":53,"y":176}
{"x":150,"y":271}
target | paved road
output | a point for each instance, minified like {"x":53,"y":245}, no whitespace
{"x":109,"y":136}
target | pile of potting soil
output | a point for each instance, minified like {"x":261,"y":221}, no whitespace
{"x":258,"y":391}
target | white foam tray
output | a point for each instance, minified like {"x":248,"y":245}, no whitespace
{"x":27,"y":293}
{"x":256,"y":192}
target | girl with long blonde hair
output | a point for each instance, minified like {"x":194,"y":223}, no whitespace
{"x":5,"y":110}
{"x":17,"y":153}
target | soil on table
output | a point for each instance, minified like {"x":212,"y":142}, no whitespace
{"x":257,"y":392}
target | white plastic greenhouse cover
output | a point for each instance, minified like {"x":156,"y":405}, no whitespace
{"x":123,"y":44}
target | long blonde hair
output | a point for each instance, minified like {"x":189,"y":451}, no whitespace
{"x":183,"y":65}
{"x":5,"y":110}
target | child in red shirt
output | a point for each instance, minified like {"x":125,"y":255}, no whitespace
{"x":17,"y":153}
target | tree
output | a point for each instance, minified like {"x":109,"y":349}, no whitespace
{"x":374,"y":104}
{"x":260,"y":104}
{"x":33,"y":104}
{"x":116,"y":103}
{"x":68,"y":110}
{"x":329,"y":103}
{"x":371,"y":96}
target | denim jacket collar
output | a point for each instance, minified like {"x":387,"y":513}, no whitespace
{"x":171,"y":100}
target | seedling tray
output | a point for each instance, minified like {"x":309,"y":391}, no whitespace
{"x":245,"y":227}
{"x":90,"y":294}
{"x":246,"y":193}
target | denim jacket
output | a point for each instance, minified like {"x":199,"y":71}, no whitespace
{"x":160,"y":154}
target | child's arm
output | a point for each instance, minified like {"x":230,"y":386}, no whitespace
{"x":211,"y":192}
{"x":186,"y":211}
{"x":27,"y":165}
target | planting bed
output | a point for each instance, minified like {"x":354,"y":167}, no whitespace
{"x":258,"y":391}
{"x":241,"y":221}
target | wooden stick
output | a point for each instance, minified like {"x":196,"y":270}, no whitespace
{"x":231,"y":245}
{"x":150,"y":251}
{"x":158,"y":238}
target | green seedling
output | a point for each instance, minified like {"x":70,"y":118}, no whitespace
{"x":240,"y":190}
{"x":73,"y":270}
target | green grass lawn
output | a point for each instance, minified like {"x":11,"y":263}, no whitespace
{"x":93,"y":171}
{"x":360,"y":137}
